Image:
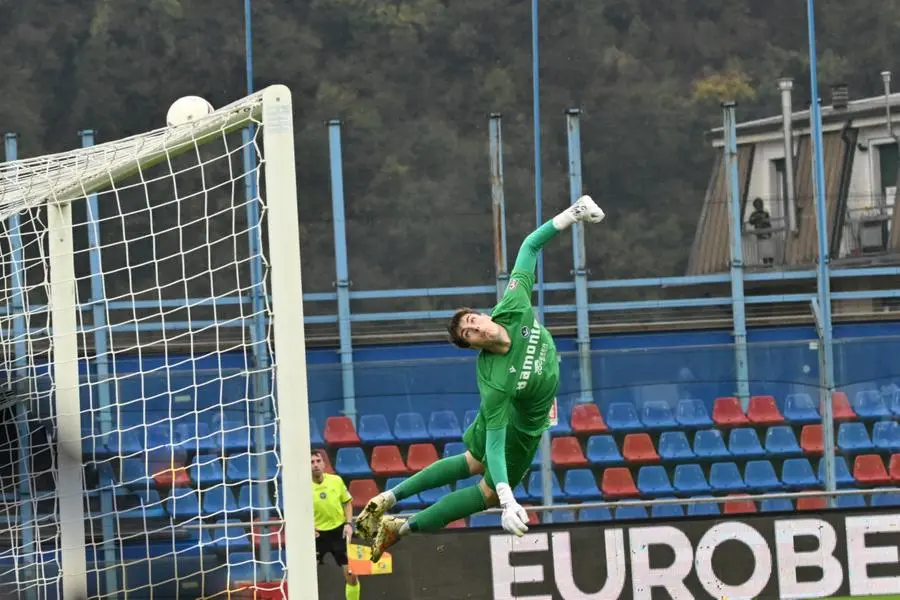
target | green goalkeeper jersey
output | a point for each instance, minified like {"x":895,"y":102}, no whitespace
{"x":519,"y":387}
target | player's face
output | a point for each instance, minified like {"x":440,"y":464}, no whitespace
{"x":478,"y":329}
{"x":318,"y":465}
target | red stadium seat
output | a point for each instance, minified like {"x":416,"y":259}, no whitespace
{"x":362,"y":491}
{"x":894,"y":467}
{"x":420,"y":456}
{"x":457,"y":524}
{"x":638,"y":448}
{"x":727,"y":412}
{"x":736,"y":507}
{"x":812,"y":503}
{"x":586,"y":418}
{"x":868,"y":469}
{"x":174,"y":476}
{"x":275,"y":534}
{"x":386,"y":461}
{"x":339,"y":431}
{"x":811,"y":439}
{"x":764,"y":411}
{"x":534,"y":518}
{"x":841,"y":409}
{"x":617,"y":482}
{"x":567,"y":452}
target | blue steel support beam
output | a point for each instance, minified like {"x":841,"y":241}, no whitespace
{"x":101,"y":364}
{"x":823,"y":295}
{"x":342,"y":271}
{"x":498,"y":202}
{"x":20,"y":335}
{"x":579,"y":260}
{"x":737,"y":257}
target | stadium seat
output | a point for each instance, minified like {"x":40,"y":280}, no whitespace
{"x":411,"y":503}
{"x":710,"y":445}
{"x":469,"y":418}
{"x":457,"y":524}
{"x":727,"y":412}
{"x":703,"y":509}
{"x":245,"y":467}
{"x":126,"y":442}
{"x":351,"y":462}
{"x":339,"y":431}
{"x":562,"y":426}
{"x":420,"y":456}
{"x":133,"y":473}
{"x":627,"y":513}
{"x":315,"y":434}
{"x":886,"y":435}
{"x":197,"y":437}
{"x":621,"y":416}
{"x":868,"y":469}
{"x":811,"y":439}
{"x":617,"y":482}
{"x":842,"y":475}
{"x":853,"y":438}
{"x":725,"y":478}
{"x":638,"y":448}
{"x":183,"y":503}
{"x":443,"y":426}
{"x":744,"y":443}
{"x":206,"y":470}
{"x":520,"y":493}
{"x":776,"y":505}
{"x":374,"y":429}
{"x":586,"y":419}
{"x":469,"y":482}
{"x":850,"y":501}
{"x":233,"y":437}
{"x":674,"y":446}
{"x":812,"y":503}
{"x":738,"y":506}
{"x":869,"y":405}
{"x":580,"y":484}
{"x":562,"y":515}
{"x":760,"y":476}
{"x":229,"y":536}
{"x":689,"y":480}
{"x":798,"y":474}
{"x":602,"y":450}
{"x":666,"y":511}
{"x":362,"y":490}
{"x":386,"y":461}
{"x":433,"y":495}
{"x":566,"y":452}
{"x":657,"y":415}
{"x":840,"y":407}
{"x":894,"y":467}
{"x":692,"y":413}
{"x":781,"y":442}
{"x":800,"y":409}
{"x":653,"y":481}
{"x":453,"y":448}
{"x":219,"y":500}
{"x":594,"y":515}
{"x":482,"y":520}
{"x":886,"y":499}
{"x":409,"y":427}
{"x":764,"y":411}
{"x":148,"y":504}
{"x":535,"y":491}
{"x":537,"y":459}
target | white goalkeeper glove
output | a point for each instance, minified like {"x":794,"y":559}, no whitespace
{"x":514,"y":518}
{"x":583,"y":210}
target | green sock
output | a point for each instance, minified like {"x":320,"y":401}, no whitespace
{"x":442,"y":472}
{"x":451,"y":507}
{"x":352,"y":591}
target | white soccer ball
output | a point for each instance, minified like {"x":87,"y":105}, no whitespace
{"x":187,"y":109}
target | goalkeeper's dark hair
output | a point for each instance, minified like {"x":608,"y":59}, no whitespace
{"x":453,"y":327}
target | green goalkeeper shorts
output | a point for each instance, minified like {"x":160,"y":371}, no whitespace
{"x":520,"y":449}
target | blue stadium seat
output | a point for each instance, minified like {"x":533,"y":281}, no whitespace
{"x":536,"y":460}
{"x":433,"y":495}
{"x":230,"y":536}
{"x":409,"y":428}
{"x":602,"y":450}
{"x":744,"y":443}
{"x":703,"y":509}
{"x":243,"y":467}
{"x":797,"y":474}
{"x":776,"y":505}
{"x":534,"y":487}
{"x":850,"y":501}
{"x":469,"y":418}
{"x":563,"y":426}
{"x":653,"y":481}
{"x":520,"y":493}
{"x":126,"y":442}
{"x":853,"y":438}
{"x":374,"y":429}
{"x":869,"y":405}
{"x":725,"y":477}
{"x":627,"y":512}
{"x":621,"y":416}
{"x":563,"y":515}
{"x":219,"y":500}
{"x":800,"y":409}
{"x":842,"y":476}
{"x":206,"y":470}
{"x":443,"y":426}
{"x":197,"y":437}
{"x":350,"y":462}
{"x":454,"y":448}
{"x":594,"y":515}
{"x":657,"y":415}
{"x":147,"y":504}
{"x":666,"y":511}
{"x":479,"y":520}
{"x":692,"y":413}
{"x":250,"y":497}
{"x":689,"y":480}
{"x":183,"y":503}
{"x":467,"y":482}
{"x":888,"y":499}
{"x":782,"y":442}
{"x":760,"y":476}
{"x":580,"y":484}
{"x":710,"y":445}
{"x":411,"y":503}
{"x":315,"y":434}
{"x":886,"y":435}
{"x":133,"y":473}
{"x":234,"y":437}
{"x":673,"y":445}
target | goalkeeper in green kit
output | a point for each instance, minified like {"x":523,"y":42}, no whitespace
{"x":518,"y":376}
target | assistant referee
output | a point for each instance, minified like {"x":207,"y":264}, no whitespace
{"x":333,"y":512}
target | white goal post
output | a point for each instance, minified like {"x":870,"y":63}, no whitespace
{"x":151,"y":321}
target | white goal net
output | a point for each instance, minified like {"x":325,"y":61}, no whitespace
{"x":147,"y":286}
